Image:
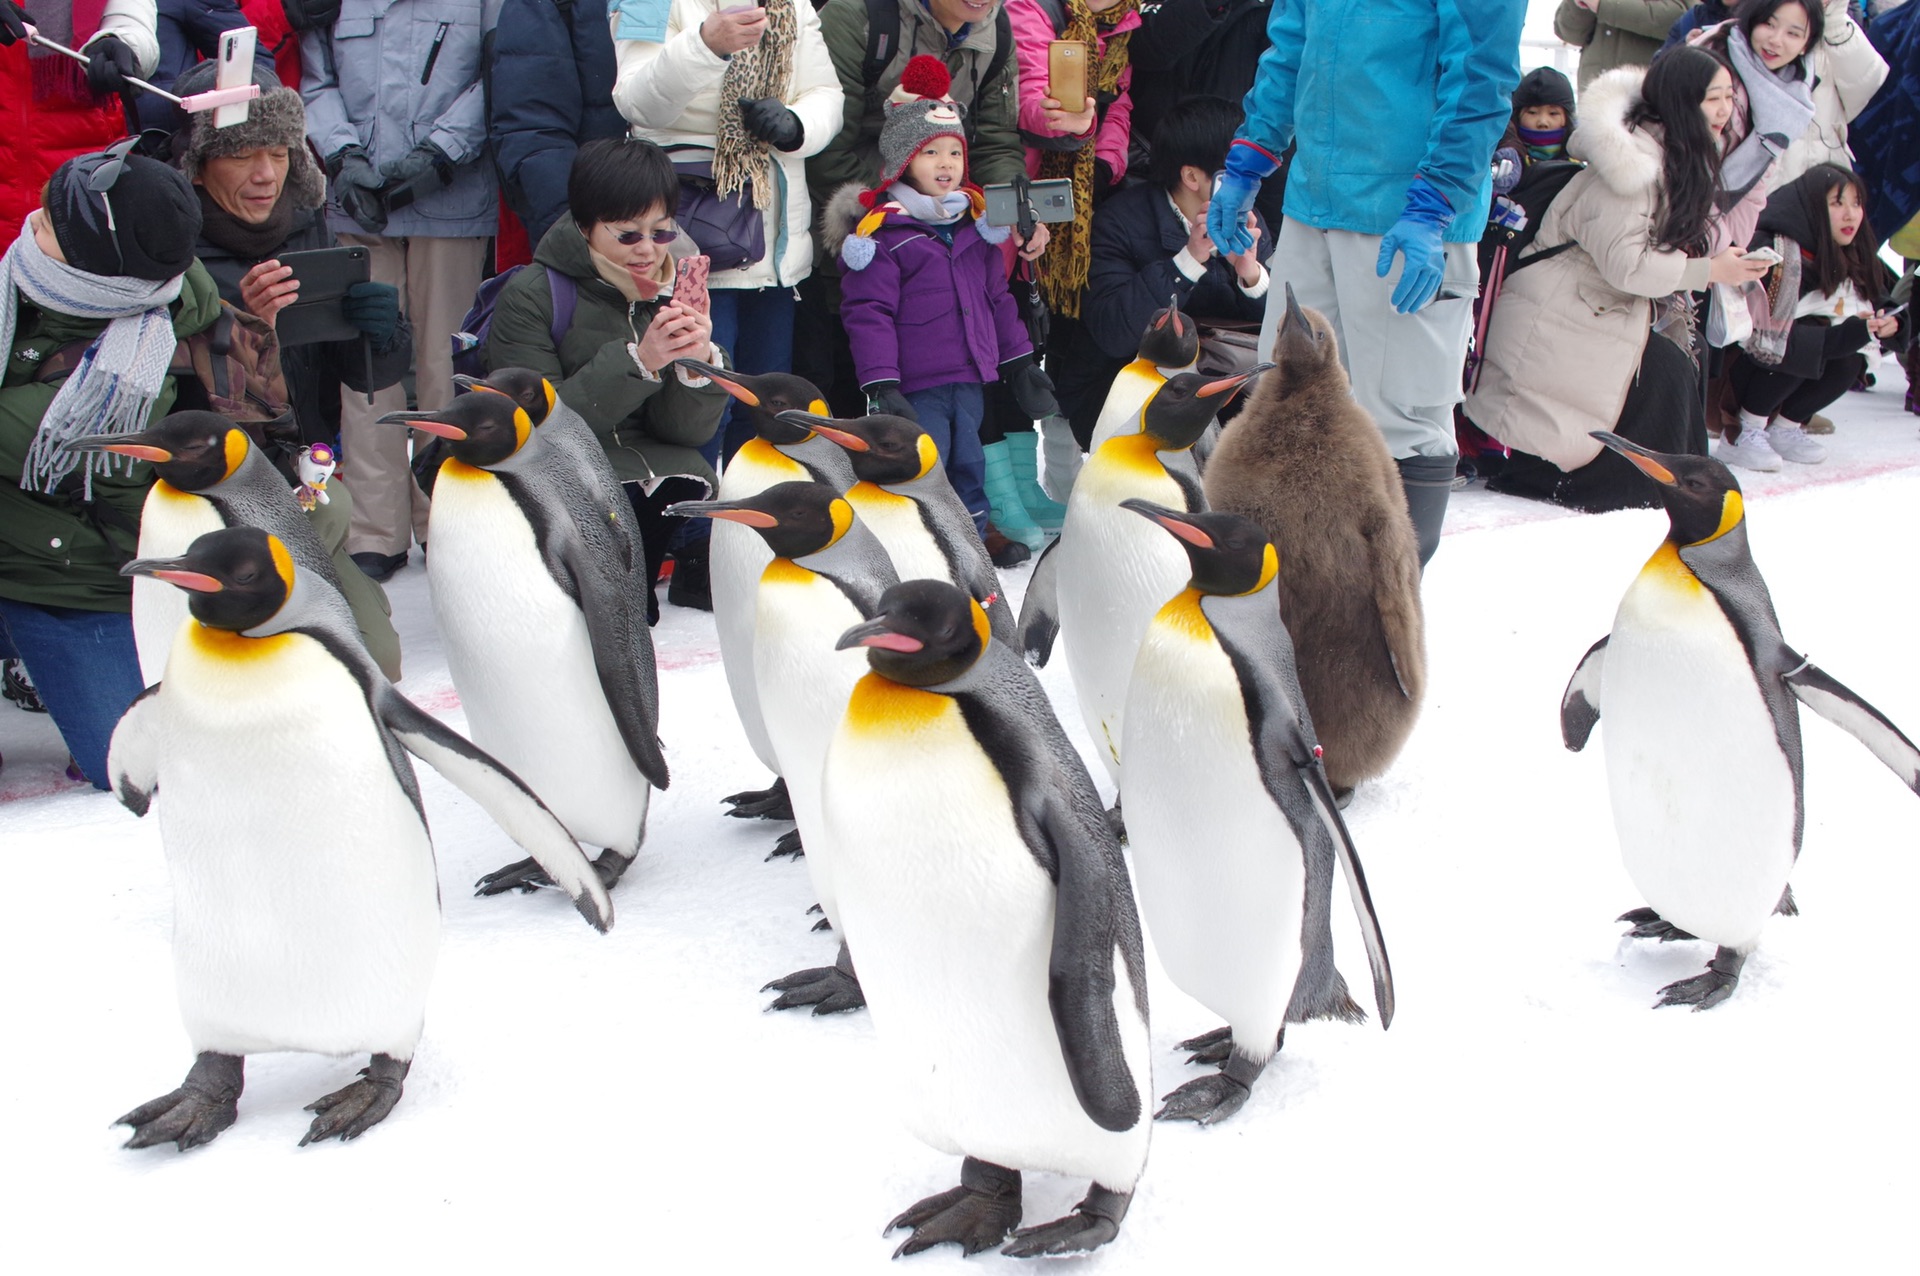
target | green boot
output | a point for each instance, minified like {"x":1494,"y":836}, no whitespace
{"x":1041,"y":508}
{"x":1003,"y":494}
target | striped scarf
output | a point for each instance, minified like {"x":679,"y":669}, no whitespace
{"x":742,"y":161}
{"x":1069,"y":256}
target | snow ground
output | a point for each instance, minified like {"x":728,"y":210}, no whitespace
{"x":623,"y":1101}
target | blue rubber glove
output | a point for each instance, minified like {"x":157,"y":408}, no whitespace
{"x":1247,"y":166}
{"x":1419,"y":236}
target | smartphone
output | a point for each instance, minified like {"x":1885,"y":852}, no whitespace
{"x":690,"y":283}
{"x":1052,"y":201}
{"x":1067,"y":74}
{"x":235,"y":70}
{"x":320,"y":314}
{"x":1767,"y":255}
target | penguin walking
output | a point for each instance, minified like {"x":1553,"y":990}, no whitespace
{"x":999,"y":948}
{"x":826,"y":574}
{"x":1697,"y":685}
{"x":1109,"y":572}
{"x":903,"y":494}
{"x":210,"y":475}
{"x":1230,"y":818}
{"x":539,"y":586}
{"x":290,"y":934}
{"x":1306,"y":462}
{"x":1169,"y":344}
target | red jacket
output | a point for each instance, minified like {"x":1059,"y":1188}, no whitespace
{"x":44,"y":125}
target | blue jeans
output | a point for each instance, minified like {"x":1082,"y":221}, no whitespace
{"x":951,"y":414}
{"x":85,"y":667}
{"x":755,"y":327}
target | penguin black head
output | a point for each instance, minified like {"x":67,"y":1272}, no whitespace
{"x":795,"y":519}
{"x":485,"y":428}
{"x":1178,"y":413}
{"x":1231,"y":555}
{"x":523,"y":385}
{"x":884,"y":449}
{"x":239,"y":577}
{"x":1170,"y":340}
{"x":768,"y":396}
{"x":1701,"y":495}
{"x":190,"y":450}
{"x":1305,"y":345}
{"x":923,"y":633}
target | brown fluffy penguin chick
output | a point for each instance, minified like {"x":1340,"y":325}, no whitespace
{"x":1307,"y":463}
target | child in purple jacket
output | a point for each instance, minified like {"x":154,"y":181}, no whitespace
{"x":924,"y":290}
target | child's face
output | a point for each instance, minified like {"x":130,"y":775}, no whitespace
{"x":939,"y":168}
{"x":1542,"y":119}
{"x":1844,"y":213}
{"x":1717,"y":105}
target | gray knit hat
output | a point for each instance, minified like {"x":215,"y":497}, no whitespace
{"x":916,"y":113}
{"x":275,"y":118}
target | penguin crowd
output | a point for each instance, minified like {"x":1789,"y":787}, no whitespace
{"x":1245,"y":637}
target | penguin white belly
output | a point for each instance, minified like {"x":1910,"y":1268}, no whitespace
{"x":306,"y":911}
{"x":1116,"y":570}
{"x":735,"y":558}
{"x":1703,"y":798}
{"x":803,"y":685}
{"x":896,"y":523}
{"x":951,"y":922}
{"x":521,"y":658}
{"x":1220,"y":874}
{"x":1120,"y":414}
{"x":170,"y":521}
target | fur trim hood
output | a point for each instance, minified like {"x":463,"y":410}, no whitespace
{"x":1627,"y":160}
{"x":276,"y":118}
{"x":847,"y":225}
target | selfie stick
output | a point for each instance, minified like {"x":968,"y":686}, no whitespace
{"x":207,"y":101}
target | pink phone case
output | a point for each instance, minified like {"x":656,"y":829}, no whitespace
{"x":690,"y":282}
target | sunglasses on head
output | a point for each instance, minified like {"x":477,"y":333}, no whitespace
{"x":628,"y":238}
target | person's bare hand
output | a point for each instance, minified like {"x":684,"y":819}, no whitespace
{"x":1246,"y":265}
{"x":1883,"y":324}
{"x":268,"y":289}
{"x":1199,"y":242}
{"x":728,"y":31}
{"x":677,"y":332}
{"x":1732,"y":267}
{"x":1068,"y":123}
{"x":1038,"y":244}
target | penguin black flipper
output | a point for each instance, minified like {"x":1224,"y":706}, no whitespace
{"x":1826,"y":696}
{"x":1580,"y":703}
{"x":501,"y":794}
{"x":1040,"y":610}
{"x":133,"y":754}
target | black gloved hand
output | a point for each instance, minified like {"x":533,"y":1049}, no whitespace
{"x":13,"y":23}
{"x":1102,"y":180}
{"x":884,"y":399}
{"x":375,"y":310}
{"x":357,"y":186}
{"x":109,"y":63}
{"x":1032,"y":388}
{"x":410,"y":169}
{"x":768,"y":119}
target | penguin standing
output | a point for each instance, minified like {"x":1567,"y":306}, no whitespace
{"x":1230,"y":817}
{"x":540,"y":589}
{"x":210,"y":475}
{"x":999,"y":948}
{"x":903,"y":494}
{"x":826,"y":574}
{"x":1110,"y":571}
{"x":1697,"y":686}
{"x":1169,"y":344}
{"x":292,"y":934}
{"x":1306,"y":462}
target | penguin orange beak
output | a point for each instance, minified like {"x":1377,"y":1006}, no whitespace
{"x":875,"y":633}
{"x":123,"y":444}
{"x":1169,"y":519}
{"x":169,"y":570}
{"x":723,"y":510}
{"x":825,"y":426}
{"x":1231,"y":386}
{"x":427,"y":424}
{"x":466,"y":382}
{"x":1646,"y":460}
{"x":725,"y":380}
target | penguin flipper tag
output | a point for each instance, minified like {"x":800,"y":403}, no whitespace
{"x":501,"y":794}
{"x":1820,"y":692}
{"x":1040,"y":610}
{"x":133,"y":755}
{"x":1315,"y":778}
{"x":1580,"y":705}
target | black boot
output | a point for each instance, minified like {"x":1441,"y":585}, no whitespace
{"x":689,"y":585}
{"x":1427,"y":481}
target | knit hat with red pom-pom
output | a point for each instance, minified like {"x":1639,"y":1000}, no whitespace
{"x":916,"y":113}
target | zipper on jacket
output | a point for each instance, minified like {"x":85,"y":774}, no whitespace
{"x":433,"y":54}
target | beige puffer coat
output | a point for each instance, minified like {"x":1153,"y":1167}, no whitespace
{"x":1847,"y":72}
{"x":1567,"y":333}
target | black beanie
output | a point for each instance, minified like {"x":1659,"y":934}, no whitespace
{"x":1544,"y":86}
{"x":150,"y":214}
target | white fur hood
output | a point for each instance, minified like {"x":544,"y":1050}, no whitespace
{"x":1628,"y":160}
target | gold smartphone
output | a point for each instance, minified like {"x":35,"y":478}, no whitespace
{"x":1067,"y":74}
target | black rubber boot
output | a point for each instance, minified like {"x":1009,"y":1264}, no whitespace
{"x":1427,"y":481}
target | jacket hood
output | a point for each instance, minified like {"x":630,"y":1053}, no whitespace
{"x":1627,"y":160}
{"x":843,"y":212}
{"x":1793,"y":211}
{"x":1544,"y":86}
{"x":564,"y":248}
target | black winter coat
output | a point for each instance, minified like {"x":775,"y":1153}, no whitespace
{"x":1815,"y":339}
{"x":189,"y":30}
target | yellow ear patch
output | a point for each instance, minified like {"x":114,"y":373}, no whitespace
{"x":522,"y":427}
{"x":1269,"y":568}
{"x":819,"y":408}
{"x":237,"y":447}
{"x":929,"y":455}
{"x":842,"y":515}
{"x":982,"y":627}
{"x":1732,"y":510}
{"x":282,"y":560}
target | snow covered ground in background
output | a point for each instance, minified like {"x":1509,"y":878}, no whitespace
{"x":623,"y":1103}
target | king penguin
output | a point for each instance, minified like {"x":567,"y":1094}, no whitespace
{"x":210,"y":475}
{"x":1703,"y":736}
{"x":1230,"y":818}
{"x":1169,"y":344}
{"x":1306,"y":462}
{"x":826,"y":574}
{"x":999,"y":948}
{"x":540,"y":591}
{"x":1109,"y":571}
{"x":902,"y":492}
{"x":292,"y":934}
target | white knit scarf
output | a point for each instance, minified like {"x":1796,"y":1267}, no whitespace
{"x":113,"y":388}
{"x":935,"y":210}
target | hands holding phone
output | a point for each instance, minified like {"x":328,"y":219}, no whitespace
{"x":1068,"y":123}
{"x":677,"y":332}
{"x":730,"y":30}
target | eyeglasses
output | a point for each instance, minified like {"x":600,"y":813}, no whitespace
{"x":661,"y":235}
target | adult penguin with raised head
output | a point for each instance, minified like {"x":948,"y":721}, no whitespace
{"x":1697,"y":687}
{"x":999,"y":948}
{"x":540,"y":591}
{"x":1230,"y":818}
{"x":1169,"y":344}
{"x":902,"y":492}
{"x":1109,"y":572}
{"x":826,"y":573}
{"x":209,"y":475}
{"x":288,"y":933}
{"x":1306,"y":462}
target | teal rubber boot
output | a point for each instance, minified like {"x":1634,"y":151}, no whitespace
{"x":1041,"y":508}
{"x":1003,"y":494}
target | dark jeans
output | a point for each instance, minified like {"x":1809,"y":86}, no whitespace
{"x":951,"y":414}
{"x":85,"y":667}
{"x":755,"y":327}
{"x":1768,"y":392}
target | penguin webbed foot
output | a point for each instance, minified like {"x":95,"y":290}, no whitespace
{"x":1204,"y":1100}
{"x":206,"y":1103}
{"x":828,"y":989}
{"x":771,"y":803}
{"x":1094,"y":1222}
{"x":525,"y":876}
{"x":1788,"y":906}
{"x":611,"y":865}
{"x":1648,"y":924}
{"x":978,"y":1215}
{"x":788,"y":843}
{"x":352,"y":1110}
{"x":1209,"y":1047}
{"x":1709,"y":988}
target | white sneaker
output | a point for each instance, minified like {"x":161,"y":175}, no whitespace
{"x":1752,"y":452}
{"x":1792,"y":443}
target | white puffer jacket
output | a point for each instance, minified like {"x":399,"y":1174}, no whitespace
{"x":670,"y":93}
{"x":1847,"y":72}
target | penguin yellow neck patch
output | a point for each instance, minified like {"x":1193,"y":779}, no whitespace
{"x":757,"y":451}
{"x":1183,"y":615}
{"x":166,"y":492}
{"x":871,"y":496}
{"x":784,"y":571}
{"x":1133,"y":452}
{"x":460,"y":472}
{"x":881,"y":706}
{"x":1665,"y":568}
{"x":228,"y":646}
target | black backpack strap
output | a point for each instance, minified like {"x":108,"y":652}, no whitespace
{"x":883,"y":40}
{"x":1542,"y":255}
